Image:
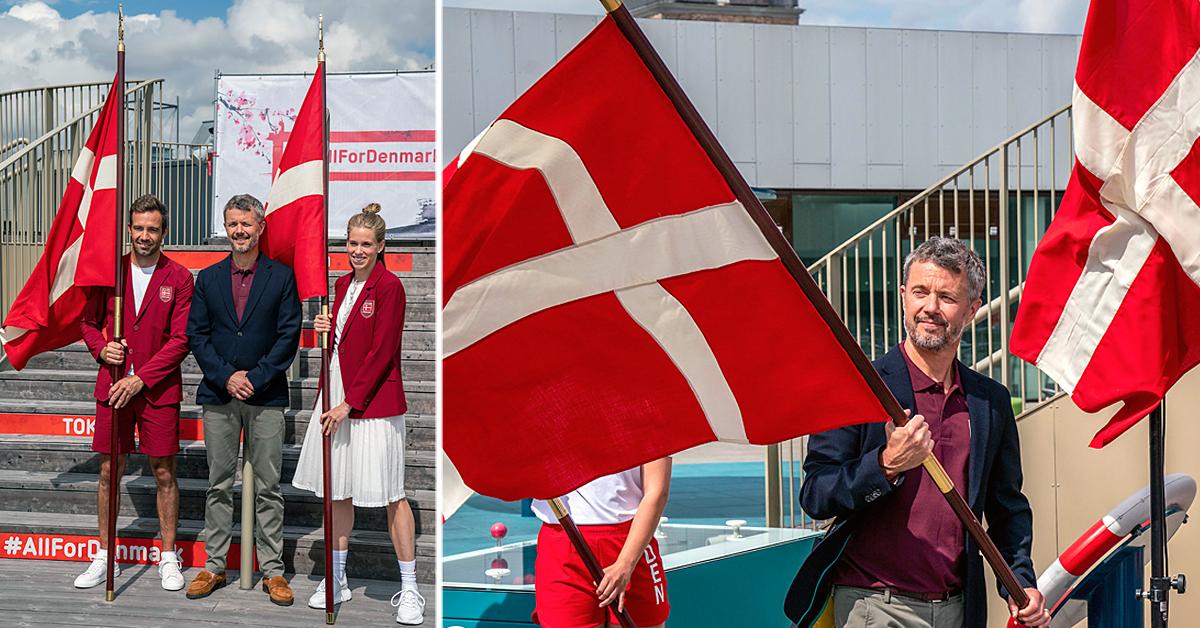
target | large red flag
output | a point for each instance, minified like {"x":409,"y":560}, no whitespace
{"x":1109,"y":307}
{"x":295,"y":206}
{"x":608,"y":300}
{"x":45,"y":315}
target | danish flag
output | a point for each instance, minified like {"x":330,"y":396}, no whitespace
{"x":607,"y":299}
{"x":1109,"y":308}
{"x":45,"y":315}
{"x":295,"y":205}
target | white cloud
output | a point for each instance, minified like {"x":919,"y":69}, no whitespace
{"x":40,"y":47}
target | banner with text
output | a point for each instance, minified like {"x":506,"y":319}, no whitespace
{"x":381,"y":144}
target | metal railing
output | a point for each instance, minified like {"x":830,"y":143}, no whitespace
{"x":1000,"y":204}
{"x":34,"y":178}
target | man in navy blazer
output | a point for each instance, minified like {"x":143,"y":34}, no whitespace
{"x":244,"y":328}
{"x":896,"y":552}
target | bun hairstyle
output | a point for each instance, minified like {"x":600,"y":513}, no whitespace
{"x":369,"y":218}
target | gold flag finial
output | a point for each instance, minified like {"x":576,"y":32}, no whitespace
{"x":321,"y":38}
{"x":120,"y":27}
{"x":610,"y":5}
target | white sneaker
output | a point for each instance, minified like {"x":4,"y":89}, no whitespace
{"x":96,"y":574}
{"x":172,"y":577}
{"x":340,"y":594}
{"x":410,"y":607}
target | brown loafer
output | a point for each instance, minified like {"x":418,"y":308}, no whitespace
{"x":204,"y":584}
{"x":277,"y":587}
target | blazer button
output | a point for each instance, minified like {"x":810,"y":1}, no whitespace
{"x":239,"y":333}
{"x":135,"y":328}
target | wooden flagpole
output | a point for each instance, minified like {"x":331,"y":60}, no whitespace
{"x":326,"y":341}
{"x":791,"y":261}
{"x":114,"y":480}
{"x":585,"y":552}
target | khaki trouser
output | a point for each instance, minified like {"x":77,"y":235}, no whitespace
{"x":223,"y":426}
{"x":860,"y":608}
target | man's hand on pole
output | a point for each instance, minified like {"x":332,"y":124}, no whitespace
{"x":907,"y":447}
{"x":121,"y":392}
{"x":1034,"y":613}
{"x":113,"y":353}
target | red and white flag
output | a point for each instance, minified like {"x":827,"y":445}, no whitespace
{"x":1109,"y":308}
{"x":295,"y":205}
{"x":45,"y":315}
{"x":608,"y":301}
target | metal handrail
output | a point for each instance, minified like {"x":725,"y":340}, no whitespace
{"x":1000,"y":203}
{"x":941,"y":183}
{"x":65,"y":125}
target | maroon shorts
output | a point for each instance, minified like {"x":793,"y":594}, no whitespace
{"x":157,"y":428}
{"x":566,"y":595}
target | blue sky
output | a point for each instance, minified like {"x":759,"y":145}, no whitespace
{"x":186,"y":9}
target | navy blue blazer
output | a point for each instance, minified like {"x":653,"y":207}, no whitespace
{"x":263,"y":343}
{"x":843,"y":481}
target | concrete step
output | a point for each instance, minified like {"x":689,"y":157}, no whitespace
{"x":73,"y":454}
{"x":371,"y":553}
{"x":77,"y":357}
{"x":415,"y":365}
{"x":424,"y":258}
{"x":45,"y":385}
{"x":295,"y":419}
{"x":51,"y":494}
{"x":418,"y":309}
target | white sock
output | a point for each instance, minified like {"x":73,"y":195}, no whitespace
{"x":167,"y":557}
{"x":339,"y":564}
{"x":101,"y":554}
{"x":408,"y":574}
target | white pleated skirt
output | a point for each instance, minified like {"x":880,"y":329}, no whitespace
{"x":367,"y":458}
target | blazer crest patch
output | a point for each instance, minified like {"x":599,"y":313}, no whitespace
{"x":368,"y":308}
{"x":166,"y":293}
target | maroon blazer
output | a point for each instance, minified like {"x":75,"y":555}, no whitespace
{"x":369,"y":347}
{"x":157,"y":335}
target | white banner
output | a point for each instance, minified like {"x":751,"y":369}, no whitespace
{"x":381,"y":144}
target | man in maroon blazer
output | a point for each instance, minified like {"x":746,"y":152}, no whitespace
{"x":158,"y":295}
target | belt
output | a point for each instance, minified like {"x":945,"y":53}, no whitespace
{"x":939,"y":596}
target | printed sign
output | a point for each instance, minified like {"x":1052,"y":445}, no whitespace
{"x":79,"y":548}
{"x":382,"y":144}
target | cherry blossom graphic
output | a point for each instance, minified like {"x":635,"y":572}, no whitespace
{"x":253,"y":124}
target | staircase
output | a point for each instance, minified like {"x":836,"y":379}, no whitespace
{"x":1000,"y":204}
{"x":48,"y":481}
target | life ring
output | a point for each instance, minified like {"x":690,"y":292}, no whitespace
{"x":1131,"y":516}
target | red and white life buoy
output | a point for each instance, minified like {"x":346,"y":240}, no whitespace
{"x":1130,"y":516}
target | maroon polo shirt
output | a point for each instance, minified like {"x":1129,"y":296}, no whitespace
{"x":242,"y":280}
{"x":911,"y":540}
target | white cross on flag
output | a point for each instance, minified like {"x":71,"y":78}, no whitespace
{"x":296,"y":203}
{"x":1110,"y":305}
{"x":608,"y":301}
{"x":45,"y":315}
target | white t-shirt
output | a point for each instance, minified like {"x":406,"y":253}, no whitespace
{"x":611,"y":499}
{"x":141,"y":281}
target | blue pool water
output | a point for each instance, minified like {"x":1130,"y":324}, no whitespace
{"x":701,"y":493}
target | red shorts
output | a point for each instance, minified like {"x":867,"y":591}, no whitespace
{"x":157,"y":427}
{"x":566,"y":595}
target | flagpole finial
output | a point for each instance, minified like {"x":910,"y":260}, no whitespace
{"x":120,"y":27}
{"x":610,"y":5}
{"x":321,"y":38}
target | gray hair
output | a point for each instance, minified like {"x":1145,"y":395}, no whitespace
{"x":953,"y":255}
{"x":247,"y":203}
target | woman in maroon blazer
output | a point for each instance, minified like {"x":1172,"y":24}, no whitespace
{"x":366,"y":418}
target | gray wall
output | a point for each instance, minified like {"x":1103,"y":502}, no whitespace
{"x":795,"y":106}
